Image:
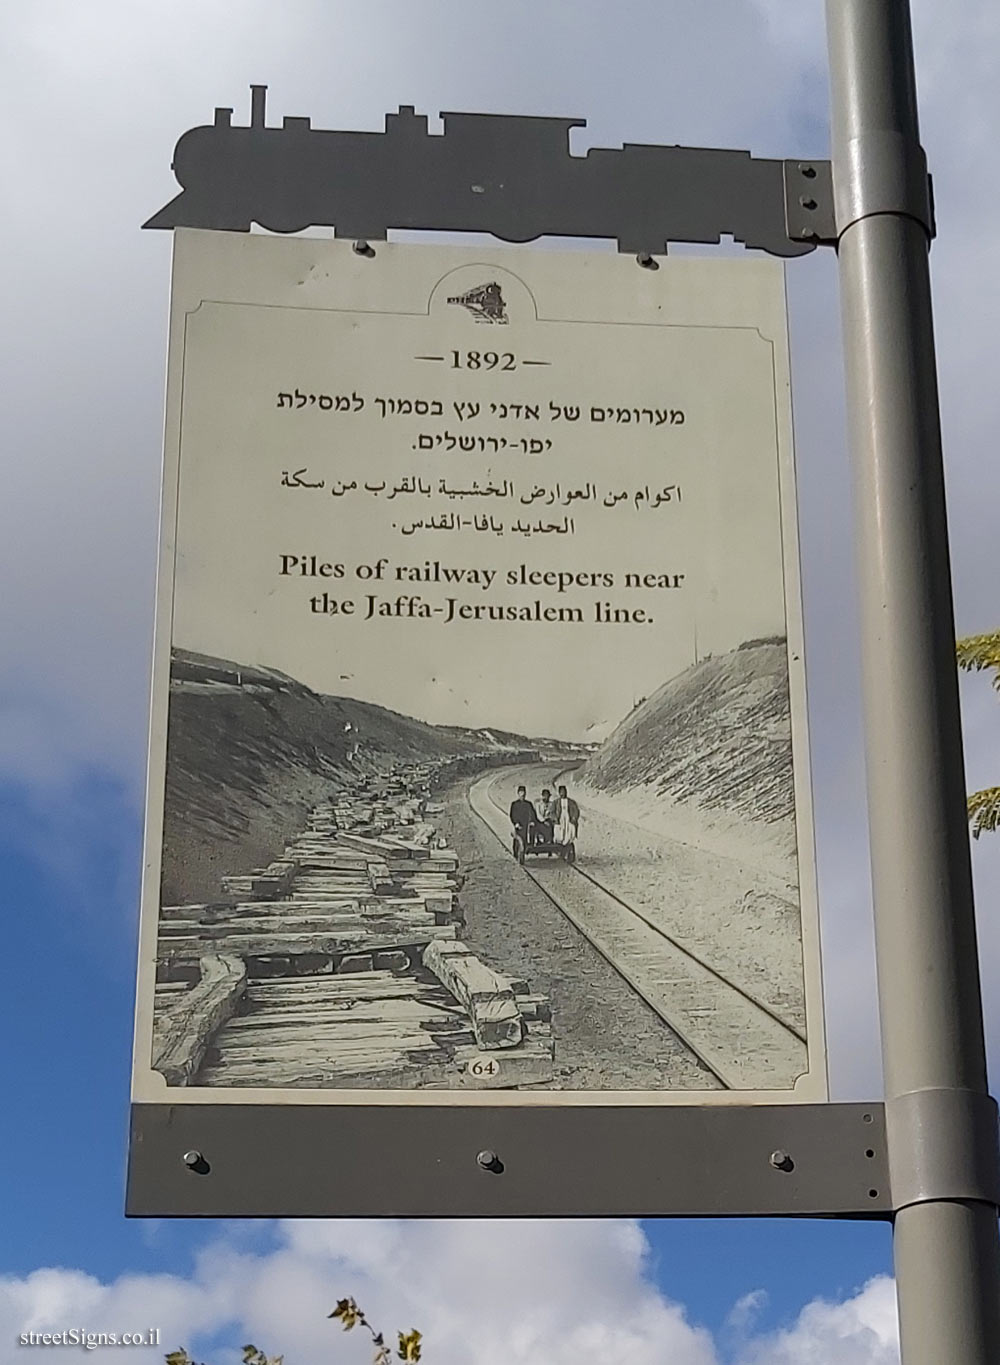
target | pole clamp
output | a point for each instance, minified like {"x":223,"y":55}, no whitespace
{"x":809,"y":211}
{"x":943,"y":1145}
{"x":882,"y":172}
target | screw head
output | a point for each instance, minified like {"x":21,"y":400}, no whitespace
{"x":193,"y":1158}
{"x":807,"y":203}
{"x":780,"y":1160}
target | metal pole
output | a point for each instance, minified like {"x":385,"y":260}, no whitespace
{"x":940,"y":1123}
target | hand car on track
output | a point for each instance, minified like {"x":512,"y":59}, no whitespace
{"x":530,"y":849}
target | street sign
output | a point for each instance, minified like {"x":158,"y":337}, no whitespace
{"x":250,"y":995}
{"x":479,"y":769}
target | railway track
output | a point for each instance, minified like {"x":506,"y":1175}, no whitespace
{"x":741,"y":1040}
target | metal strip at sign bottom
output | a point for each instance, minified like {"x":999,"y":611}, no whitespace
{"x":299,"y":1161}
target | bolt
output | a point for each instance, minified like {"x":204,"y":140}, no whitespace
{"x":489,"y":1161}
{"x":808,"y":171}
{"x":193,"y":1158}
{"x":780,"y":1160}
{"x":363,"y":249}
{"x":646,"y":261}
{"x":807,"y":203}
{"x":478,"y":189}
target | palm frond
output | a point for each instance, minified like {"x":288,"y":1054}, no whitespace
{"x":977,"y":652}
{"x":984,"y":810}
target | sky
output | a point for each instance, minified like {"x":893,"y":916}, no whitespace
{"x":92,"y":100}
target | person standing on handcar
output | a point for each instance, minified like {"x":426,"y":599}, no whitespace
{"x":567,"y":818}
{"x":545,"y":824}
{"x":523,"y":816}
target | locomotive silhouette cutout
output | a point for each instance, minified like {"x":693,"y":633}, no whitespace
{"x":485,"y":302}
{"x":514,"y":177}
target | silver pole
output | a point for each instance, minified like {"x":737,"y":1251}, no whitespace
{"x":941,"y":1128}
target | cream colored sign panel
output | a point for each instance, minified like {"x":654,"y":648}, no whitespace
{"x":478,"y":762}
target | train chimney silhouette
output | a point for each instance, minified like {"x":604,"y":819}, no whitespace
{"x":258,"y":99}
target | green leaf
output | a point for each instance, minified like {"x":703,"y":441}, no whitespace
{"x":984,"y":810}
{"x":978,"y":652}
{"x":348,"y":1312}
{"x":409,"y":1346}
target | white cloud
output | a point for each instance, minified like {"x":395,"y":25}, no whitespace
{"x":499,"y":1293}
{"x":861,"y":1330}
{"x":745,"y":1311}
{"x":56,"y":1300}
{"x":507,"y":1292}
{"x":502,"y":1291}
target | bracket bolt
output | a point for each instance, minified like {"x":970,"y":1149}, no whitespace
{"x":489,"y":1161}
{"x":363,"y":248}
{"x":807,"y":203}
{"x":780,"y":1160}
{"x":194,"y":1161}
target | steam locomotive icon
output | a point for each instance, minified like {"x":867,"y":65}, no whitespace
{"x":485,"y":302}
{"x":514,"y":177}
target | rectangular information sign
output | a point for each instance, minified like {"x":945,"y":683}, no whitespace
{"x":479,"y":770}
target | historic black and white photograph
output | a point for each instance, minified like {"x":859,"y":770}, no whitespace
{"x":482,"y":764}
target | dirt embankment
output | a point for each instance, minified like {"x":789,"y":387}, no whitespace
{"x":250,"y":751}
{"x":708,"y":757}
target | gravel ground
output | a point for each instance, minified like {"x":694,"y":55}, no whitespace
{"x":606,"y":1037}
{"x":734,"y":915}
{"x":720,"y":908}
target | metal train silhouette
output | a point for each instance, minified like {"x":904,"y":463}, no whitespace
{"x":508,"y":175}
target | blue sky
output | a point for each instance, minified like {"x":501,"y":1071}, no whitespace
{"x":93,"y":98}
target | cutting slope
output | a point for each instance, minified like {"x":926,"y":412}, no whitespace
{"x":708,"y":757}
{"x":251,"y":750}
